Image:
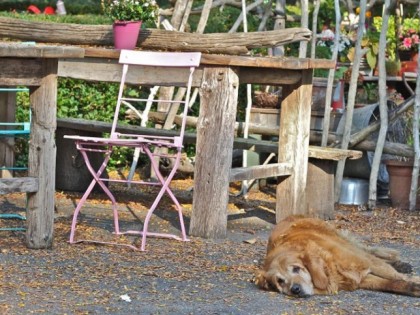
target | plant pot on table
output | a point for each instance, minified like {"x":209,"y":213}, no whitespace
{"x":126,"y":34}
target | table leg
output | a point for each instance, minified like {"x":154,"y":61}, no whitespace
{"x":42,"y":152}
{"x":293,"y":147}
{"x":215,"y":133}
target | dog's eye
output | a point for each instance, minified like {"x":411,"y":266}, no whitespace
{"x":296,"y":269}
{"x":280,"y":281}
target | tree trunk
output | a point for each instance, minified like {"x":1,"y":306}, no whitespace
{"x":234,"y":44}
{"x":383,"y":109}
{"x":351,"y":98}
{"x":303,"y":46}
{"x":414,"y":178}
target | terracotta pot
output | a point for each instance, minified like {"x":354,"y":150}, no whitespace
{"x":126,"y":34}
{"x":409,"y":66}
{"x":400,"y":173}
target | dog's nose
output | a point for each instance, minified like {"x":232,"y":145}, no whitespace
{"x":295,"y":289}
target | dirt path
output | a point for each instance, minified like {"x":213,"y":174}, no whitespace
{"x":197,"y":277}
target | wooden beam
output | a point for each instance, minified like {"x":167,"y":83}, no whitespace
{"x":93,"y":69}
{"x":14,"y":72}
{"x":157,"y":39}
{"x":42,"y":158}
{"x":215,"y":133}
{"x":260,"y":171}
{"x":10,"y":49}
{"x":235,"y":61}
{"x":18,"y":184}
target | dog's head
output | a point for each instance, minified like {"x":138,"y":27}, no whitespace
{"x":289,"y":272}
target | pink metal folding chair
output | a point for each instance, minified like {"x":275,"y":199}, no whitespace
{"x":140,"y":61}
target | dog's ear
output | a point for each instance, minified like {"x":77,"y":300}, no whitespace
{"x":260,"y":280}
{"x":316,"y":268}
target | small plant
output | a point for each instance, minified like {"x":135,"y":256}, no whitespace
{"x":410,"y":35}
{"x":131,"y":10}
{"x":370,"y":43}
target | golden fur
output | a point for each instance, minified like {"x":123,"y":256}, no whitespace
{"x":307,"y":256}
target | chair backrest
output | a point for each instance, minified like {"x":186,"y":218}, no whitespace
{"x":128,"y":58}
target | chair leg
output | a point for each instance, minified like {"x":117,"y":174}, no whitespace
{"x":165,"y":188}
{"x":96,"y":179}
{"x":96,"y":176}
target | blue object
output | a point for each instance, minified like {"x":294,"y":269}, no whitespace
{"x":12,"y":216}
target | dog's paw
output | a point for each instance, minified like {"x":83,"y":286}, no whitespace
{"x":402,"y":267}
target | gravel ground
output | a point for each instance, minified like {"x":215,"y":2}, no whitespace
{"x":171,"y":277}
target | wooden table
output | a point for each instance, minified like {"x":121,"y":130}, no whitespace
{"x":218,"y":78}
{"x":36,"y":67}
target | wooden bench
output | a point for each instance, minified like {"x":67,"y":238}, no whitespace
{"x":320,"y":181}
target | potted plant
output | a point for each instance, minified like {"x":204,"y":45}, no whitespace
{"x":409,"y":39}
{"x":128,"y":16}
{"x":370,"y":44}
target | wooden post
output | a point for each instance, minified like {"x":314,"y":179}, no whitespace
{"x":40,"y":211}
{"x":7,"y":114}
{"x":215,"y":133}
{"x":293,"y":147}
{"x":320,"y":189}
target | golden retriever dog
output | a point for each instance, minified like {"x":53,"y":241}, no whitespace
{"x":307,"y":256}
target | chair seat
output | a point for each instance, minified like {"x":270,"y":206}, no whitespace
{"x":135,"y":141}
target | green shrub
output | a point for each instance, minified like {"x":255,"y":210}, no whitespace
{"x":72,"y":7}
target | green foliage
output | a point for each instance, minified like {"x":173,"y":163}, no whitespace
{"x":131,"y":10}
{"x":72,"y":7}
{"x":321,"y":52}
{"x":22,"y":115}
{"x":87,"y":100}
{"x":391,"y":40}
{"x":76,"y":19}
{"x":326,"y":14}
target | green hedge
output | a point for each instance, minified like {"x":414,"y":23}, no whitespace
{"x":72,"y":6}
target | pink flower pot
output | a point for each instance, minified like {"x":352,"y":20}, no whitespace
{"x":126,"y":34}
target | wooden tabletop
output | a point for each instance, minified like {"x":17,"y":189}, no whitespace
{"x":237,"y":61}
{"x":30,"y":50}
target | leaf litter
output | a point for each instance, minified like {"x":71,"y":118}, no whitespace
{"x":197,"y":275}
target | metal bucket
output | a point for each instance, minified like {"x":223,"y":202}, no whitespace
{"x":354,"y":191}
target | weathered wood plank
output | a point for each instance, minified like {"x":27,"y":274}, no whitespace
{"x":268,"y":62}
{"x":250,"y":75}
{"x":10,"y":49}
{"x":15,"y":72}
{"x":18,"y":184}
{"x":260,"y":171}
{"x":93,"y":69}
{"x":320,"y":189}
{"x":77,"y":34}
{"x":215,"y":131}
{"x":237,"y":61}
{"x":335,"y":154}
{"x":42,"y":152}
